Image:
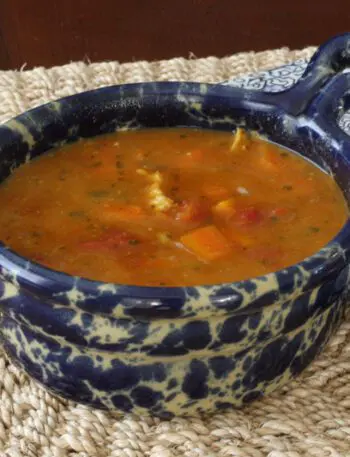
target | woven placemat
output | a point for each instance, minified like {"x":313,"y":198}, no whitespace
{"x":308,"y":417}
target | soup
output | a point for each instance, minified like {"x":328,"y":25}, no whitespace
{"x":169,"y":207}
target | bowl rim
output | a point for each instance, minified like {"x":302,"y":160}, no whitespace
{"x":30,"y":273}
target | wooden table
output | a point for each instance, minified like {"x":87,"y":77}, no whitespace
{"x":53,"y":32}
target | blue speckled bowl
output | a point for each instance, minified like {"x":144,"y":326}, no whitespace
{"x":181,"y":350}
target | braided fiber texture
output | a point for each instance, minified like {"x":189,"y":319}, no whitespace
{"x":308,"y":417}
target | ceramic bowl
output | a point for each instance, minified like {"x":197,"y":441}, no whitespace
{"x":181,"y":350}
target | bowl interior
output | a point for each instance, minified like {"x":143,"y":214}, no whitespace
{"x":154,"y":105}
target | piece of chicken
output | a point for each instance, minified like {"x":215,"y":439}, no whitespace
{"x":240,"y":140}
{"x":156,"y":197}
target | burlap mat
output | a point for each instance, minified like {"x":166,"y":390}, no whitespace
{"x":309,"y":417}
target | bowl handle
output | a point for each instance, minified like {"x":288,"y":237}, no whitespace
{"x":322,"y":95}
{"x":329,"y":60}
{"x":325,"y":110}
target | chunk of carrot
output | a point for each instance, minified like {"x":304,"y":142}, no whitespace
{"x":215,"y":192}
{"x":208,"y":243}
{"x":112,"y":212}
{"x":225,"y":209}
{"x":304,"y":187}
{"x":238,"y":238}
{"x":269,"y":159}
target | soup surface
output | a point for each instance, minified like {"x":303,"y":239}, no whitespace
{"x":169,"y":207}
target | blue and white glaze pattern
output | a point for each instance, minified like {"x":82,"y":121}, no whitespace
{"x":275,"y":80}
{"x":280,"y":79}
{"x":184,"y":350}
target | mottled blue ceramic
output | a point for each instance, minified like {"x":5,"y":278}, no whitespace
{"x":181,"y":350}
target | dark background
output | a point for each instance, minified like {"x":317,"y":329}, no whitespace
{"x":53,"y":32}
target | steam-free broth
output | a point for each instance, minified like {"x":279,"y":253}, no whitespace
{"x":169,"y":207}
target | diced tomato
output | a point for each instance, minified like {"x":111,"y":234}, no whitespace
{"x":192,"y":158}
{"x":287,"y":214}
{"x":118,"y":237}
{"x":159,"y":263}
{"x":269,"y":161}
{"x":304,"y":187}
{"x":118,"y":213}
{"x":38,"y":258}
{"x":111,"y":239}
{"x":140,"y":154}
{"x":30,"y":210}
{"x":104,"y":171}
{"x":139,"y":261}
{"x":279,"y":212}
{"x":249,"y":216}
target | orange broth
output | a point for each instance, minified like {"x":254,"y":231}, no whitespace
{"x":169,"y":207}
